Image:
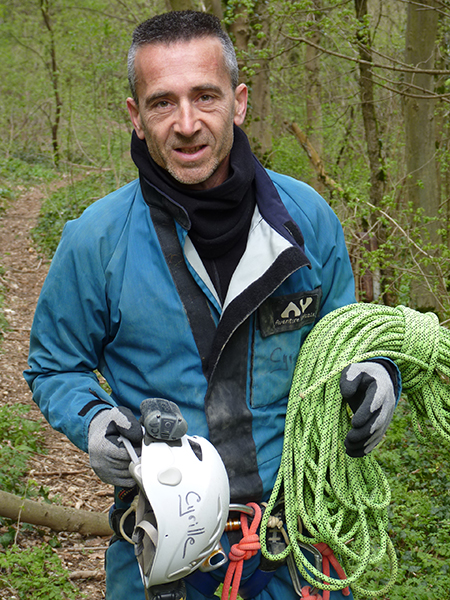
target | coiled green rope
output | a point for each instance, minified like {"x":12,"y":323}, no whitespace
{"x":343,"y":501}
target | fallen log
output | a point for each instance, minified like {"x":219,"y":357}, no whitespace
{"x":57,"y":518}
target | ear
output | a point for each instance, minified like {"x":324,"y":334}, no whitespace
{"x":135,"y":117}
{"x":240,"y":103}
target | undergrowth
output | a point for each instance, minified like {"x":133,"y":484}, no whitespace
{"x":19,"y":440}
{"x":35,"y":573}
{"x":419,"y":513}
{"x":17,"y":174}
{"x":66,"y":204}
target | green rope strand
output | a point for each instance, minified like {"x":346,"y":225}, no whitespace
{"x":343,"y":501}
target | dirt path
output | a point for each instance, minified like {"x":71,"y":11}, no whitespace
{"x":64,"y":469}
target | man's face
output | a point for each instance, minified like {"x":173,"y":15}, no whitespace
{"x":187,"y":108}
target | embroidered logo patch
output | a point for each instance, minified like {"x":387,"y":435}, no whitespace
{"x":288,"y":313}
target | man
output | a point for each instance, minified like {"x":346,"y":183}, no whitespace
{"x":198,"y":283}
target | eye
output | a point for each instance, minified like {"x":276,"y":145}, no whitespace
{"x":206,"y":98}
{"x":162,"y":104}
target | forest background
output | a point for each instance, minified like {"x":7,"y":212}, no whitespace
{"x":350,"y":96}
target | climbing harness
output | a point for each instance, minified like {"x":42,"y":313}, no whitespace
{"x":342,"y":501}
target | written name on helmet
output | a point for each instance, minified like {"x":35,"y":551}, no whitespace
{"x":188,"y":506}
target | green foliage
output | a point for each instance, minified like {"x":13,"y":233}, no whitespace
{"x":34,"y":573}
{"x":87,"y":71}
{"x":288,"y":158}
{"x":404,"y":256}
{"x":66,"y":204}
{"x":19,"y":439}
{"x":419,"y":477}
{"x":18,"y":173}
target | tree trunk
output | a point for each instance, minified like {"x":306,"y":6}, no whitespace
{"x":371,"y":284}
{"x":314,"y":123}
{"x":366,"y":90}
{"x":420,"y":136}
{"x":53,"y":70}
{"x":214,"y":7}
{"x":251,"y":38}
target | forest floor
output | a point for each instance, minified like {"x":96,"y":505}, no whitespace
{"x":63,"y":469}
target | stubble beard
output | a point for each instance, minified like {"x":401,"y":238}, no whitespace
{"x":183,"y":175}
{"x":186,"y":175}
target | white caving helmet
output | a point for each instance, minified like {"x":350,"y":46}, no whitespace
{"x":182,"y":507}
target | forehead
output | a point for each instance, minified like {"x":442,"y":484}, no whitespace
{"x":181,"y":64}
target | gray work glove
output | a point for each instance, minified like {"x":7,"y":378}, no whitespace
{"x":108,"y":457}
{"x":369,"y":389}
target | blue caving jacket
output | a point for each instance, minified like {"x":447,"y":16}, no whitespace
{"x":128,"y":295}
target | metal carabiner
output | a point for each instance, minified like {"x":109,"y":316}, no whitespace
{"x":293,"y":572}
{"x":235,"y":524}
{"x":243,"y":508}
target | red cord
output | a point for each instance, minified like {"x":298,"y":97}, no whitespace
{"x":249,"y":546}
{"x":329,"y":557}
{"x":245,"y":549}
{"x":306,"y":594}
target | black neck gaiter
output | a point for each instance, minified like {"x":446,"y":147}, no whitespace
{"x":221,"y":216}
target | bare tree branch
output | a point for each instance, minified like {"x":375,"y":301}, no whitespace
{"x":57,"y":518}
{"x":399,"y":69}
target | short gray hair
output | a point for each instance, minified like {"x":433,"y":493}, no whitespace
{"x":184,"y":26}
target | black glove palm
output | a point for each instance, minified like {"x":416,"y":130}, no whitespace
{"x":370,"y":392}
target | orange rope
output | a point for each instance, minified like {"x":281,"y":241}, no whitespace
{"x":329,"y":557}
{"x":250,"y":545}
{"x":306,"y":594}
{"x":245,"y":549}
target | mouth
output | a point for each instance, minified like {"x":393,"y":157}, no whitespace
{"x":190,"y":150}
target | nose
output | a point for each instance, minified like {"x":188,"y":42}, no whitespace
{"x":186,"y":122}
